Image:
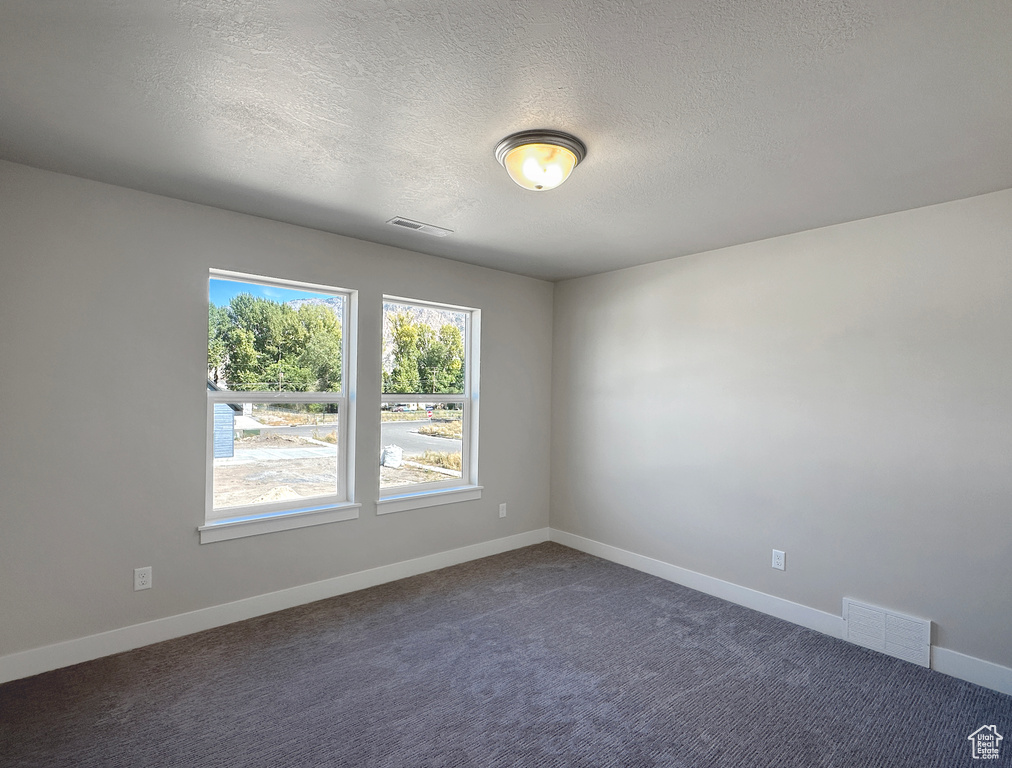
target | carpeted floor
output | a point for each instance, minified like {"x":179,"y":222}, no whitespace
{"x":539,"y":657}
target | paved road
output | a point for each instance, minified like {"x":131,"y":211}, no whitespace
{"x":306,"y":431}
{"x":404,"y":434}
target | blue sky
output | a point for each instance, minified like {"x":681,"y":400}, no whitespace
{"x":222,"y":291}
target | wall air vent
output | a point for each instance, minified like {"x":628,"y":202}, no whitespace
{"x":417,"y":226}
{"x":895,"y":634}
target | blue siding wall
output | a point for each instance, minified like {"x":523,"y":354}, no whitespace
{"x":224,"y":425}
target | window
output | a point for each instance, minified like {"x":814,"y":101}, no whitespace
{"x":429,"y":405}
{"x":278,"y":414}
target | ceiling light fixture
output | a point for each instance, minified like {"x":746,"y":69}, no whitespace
{"x":540,"y":160}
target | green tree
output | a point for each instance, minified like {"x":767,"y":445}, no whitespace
{"x":253,"y":314}
{"x":322,"y":359}
{"x":321,"y":354}
{"x":404,"y":376}
{"x":241,"y":366}
{"x":272,"y":346}
{"x":453,"y":342}
{"x":441,"y":360}
{"x":424,"y":361}
{"x":217,"y":348}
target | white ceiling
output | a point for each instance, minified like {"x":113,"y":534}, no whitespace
{"x":707,"y":122}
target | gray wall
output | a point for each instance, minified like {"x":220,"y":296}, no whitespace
{"x":103,"y":310}
{"x":843,"y":394}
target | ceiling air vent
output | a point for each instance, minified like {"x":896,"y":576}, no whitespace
{"x":417,"y":226}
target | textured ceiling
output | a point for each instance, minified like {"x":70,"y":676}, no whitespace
{"x":707,"y":122}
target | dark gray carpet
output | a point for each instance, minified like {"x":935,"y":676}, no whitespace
{"x":539,"y":657}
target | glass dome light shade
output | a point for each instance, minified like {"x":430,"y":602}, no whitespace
{"x":540,"y":160}
{"x":539,"y":166}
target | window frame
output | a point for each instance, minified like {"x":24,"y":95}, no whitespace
{"x":466,"y":488}
{"x":253,"y":519}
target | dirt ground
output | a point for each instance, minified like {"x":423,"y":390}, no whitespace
{"x":272,"y":440}
{"x":258,"y":482}
{"x":390,"y":477}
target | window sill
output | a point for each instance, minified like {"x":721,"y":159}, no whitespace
{"x":419,"y":499}
{"x":254,"y":525}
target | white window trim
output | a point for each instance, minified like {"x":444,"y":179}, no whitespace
{"x":418,"y":496}
{"x":236,"y":528}
{"x":428,"y":498}
{"x":252,"y":520}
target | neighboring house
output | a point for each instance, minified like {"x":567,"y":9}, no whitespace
{"x":224,"y":425}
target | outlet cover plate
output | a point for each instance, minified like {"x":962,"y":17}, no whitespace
{"x":142,"y":578}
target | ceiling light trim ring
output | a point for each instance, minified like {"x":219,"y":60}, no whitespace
{"x":558,"y":138}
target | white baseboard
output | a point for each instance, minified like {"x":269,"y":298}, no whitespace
{"x":37,"y":660}
{"x":49,"y":657}
{"x":972,"y":669}
{"x":820,"y":621}
{"x":969,"y":668}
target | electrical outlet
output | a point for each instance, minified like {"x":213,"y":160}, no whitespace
{"x":142,"y":578}
{"x":779,"y":560}
{"x":502,"y":510}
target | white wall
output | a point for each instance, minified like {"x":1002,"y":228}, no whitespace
{"x":843,"y":394}
{"x":103,"y":311}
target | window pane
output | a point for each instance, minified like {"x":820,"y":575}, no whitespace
{"x":267,"y":338}
{"x":270,"y":452}
{"x":423,"y":349}
{"x":421,"y":445}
